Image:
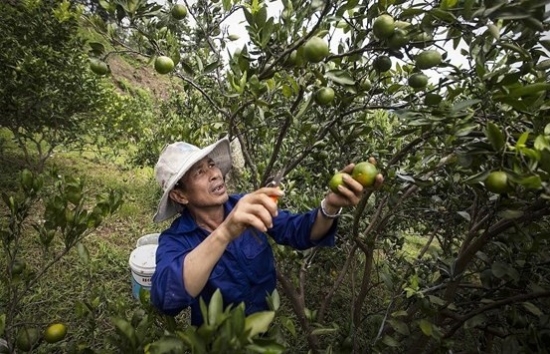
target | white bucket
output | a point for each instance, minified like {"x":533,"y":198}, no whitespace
{"x":148,"y":239}
{"x":142,"y":263}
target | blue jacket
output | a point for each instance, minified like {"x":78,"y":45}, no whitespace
{"x":245,"y":272}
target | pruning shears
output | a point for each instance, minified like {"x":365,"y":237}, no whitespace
{"x":276,"y":182}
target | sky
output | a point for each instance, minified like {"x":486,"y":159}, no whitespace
{"x":236,"y":25}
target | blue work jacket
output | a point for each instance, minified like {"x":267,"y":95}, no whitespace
{"x":244,"y":273}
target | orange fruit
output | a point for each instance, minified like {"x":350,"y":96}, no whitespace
{"x":383,"y":27}
{"x":163,"y":65}
{"x":55,"y":332}
{"x":27,"y":339}
{"x":315,"y":49}
{"x":497,"y":182}
{"x":398,"y":39}
{"x":382,"y":63}
{"x":335,"y":181}
{"x":418,"y":80}
{"x":324,"y":96}
{"x":365,"y":173}
{"x":179,"y":11}
{"x":366,"y":84}
{"x":428,"y":59}
{"x":99,"y":67}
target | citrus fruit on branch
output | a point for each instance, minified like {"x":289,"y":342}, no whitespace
{"x":497,"y":182}
{"x":55,"y":332}
{"x":383,"y":27}
{"x":382,"y":63}
{"x":418,"y":80}
{"x":99,"y":67}
{"x":163,"y":65}
{"x":315,"y":49}
{"x":324,"y":96}
{"x":179,"y":11}
{"x":428,"y":59}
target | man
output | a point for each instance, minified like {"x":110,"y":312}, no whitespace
{"x":218,"y":240}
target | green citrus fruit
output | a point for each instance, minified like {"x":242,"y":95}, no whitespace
{"x":335,"y":181}
{"x":432,"y":99}
{"x":27,"y":338}
{"x":163,"y":65}
{"x":383,"y":27}
{"x":428,"y":59}
{"x":497,"y":182}
{"x":324,"y":96}
{"x":366,"y":84}
{"x":398,"y":39}
{"x":418,"y":80}
{"x":99,"y":67}
{"x":294,"y":59}
{"x":179,"y":11}
{"x":382,"y":63}
{"x":365,"y":173}
{"x":315,"y":49}
{"x":55,"y":332}
{"x":18,"y":267}
{"x":422,"y":40}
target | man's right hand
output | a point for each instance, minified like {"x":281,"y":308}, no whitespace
{"x":255,"y":209}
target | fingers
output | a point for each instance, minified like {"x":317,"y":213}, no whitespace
{"x":348,"y":168}
{"x":378,"y":181}
{"x":257,"y":209}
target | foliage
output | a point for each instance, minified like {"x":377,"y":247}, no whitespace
{"x":436,"y":145}
{"x":68,"y":217}
{"x":47,"y":97}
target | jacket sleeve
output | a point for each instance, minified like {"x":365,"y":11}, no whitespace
{"x":295,"y":229}
{"x":168,"y":292}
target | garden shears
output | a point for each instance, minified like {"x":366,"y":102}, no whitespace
{"x":275,"y":181}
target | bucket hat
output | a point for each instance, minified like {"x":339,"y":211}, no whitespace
{"x":175,"y":160}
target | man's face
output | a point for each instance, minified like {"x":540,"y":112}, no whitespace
{"x":203,"y":185}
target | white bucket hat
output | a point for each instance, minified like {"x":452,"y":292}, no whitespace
{"x":175,"y":160}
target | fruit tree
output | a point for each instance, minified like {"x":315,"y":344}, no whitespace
{"x":477,"y":103}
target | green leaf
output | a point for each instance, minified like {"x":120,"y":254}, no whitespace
{"x":340,"y":77}
{"x":532,"y":308}
{"x":475,"y":321}
{"x":447,"y":4}
{"x":547,"y":129}
{"x":495,"y":136}
{"x":499,"y":269}
{"x":457,"y":107}
{"x":531,"y":182}
{"x":126,"y":329}
{"x":390,"y":341}
{"x":493,"y":30}
{"x":258,"y":322}
{"x":2,"y":324}
{"x":211,"y":67}
{"x":215,"y":307}
{"x":528,"y":90}
{"x":522,"y":140}
{"x":426,"y":327}
{"x":542,"y":142}
{"x":543,"y":65}
{"x":321,"y":331}
{"x":83,"y":253}
{"x":399,"y":326}
{"x":510,"y":214}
